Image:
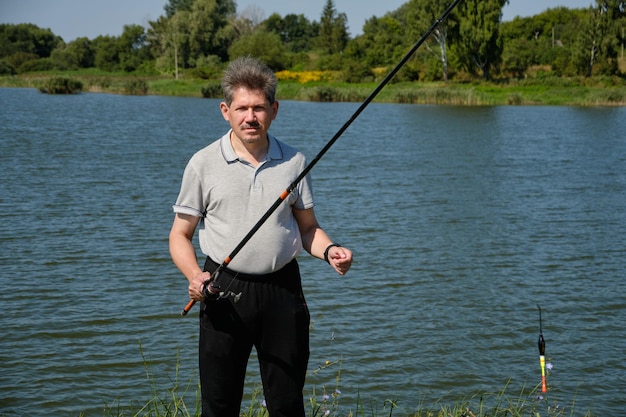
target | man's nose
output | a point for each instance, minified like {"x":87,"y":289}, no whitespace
{"x":251,"y":115}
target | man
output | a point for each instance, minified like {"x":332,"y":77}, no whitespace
{"x":226,"y":188}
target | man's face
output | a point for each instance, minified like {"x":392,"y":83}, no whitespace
{"x":250,"y":115}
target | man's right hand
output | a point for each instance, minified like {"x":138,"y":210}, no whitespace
{"x":196,"y":285}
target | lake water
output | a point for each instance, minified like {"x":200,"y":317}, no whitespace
{"x":462,"y":221}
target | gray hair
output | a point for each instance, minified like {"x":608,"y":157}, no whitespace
{"x":249,"y":73}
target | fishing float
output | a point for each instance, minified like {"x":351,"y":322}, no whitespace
{"x":542,"y":354}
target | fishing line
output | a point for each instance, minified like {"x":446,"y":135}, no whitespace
{"x":328,"y":145}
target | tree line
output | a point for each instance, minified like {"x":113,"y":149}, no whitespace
{"x":195,"y":38}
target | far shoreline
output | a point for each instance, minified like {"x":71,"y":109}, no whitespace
{"x":551,"y":91}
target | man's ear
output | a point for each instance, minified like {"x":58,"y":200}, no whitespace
{"x":225,"y":111}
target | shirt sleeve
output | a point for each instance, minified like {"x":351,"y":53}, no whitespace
{"x":190,"y":198}
{"x":305,"y":194}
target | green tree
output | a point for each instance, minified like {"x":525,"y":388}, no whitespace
{"x":107,"y":56}
{"x":295,"y":31}
{"x":243,"y":25}
{"x":478,"y":42}
{"x":263,"y":45}
{"x":177,"y":41}
{"x":381,"y":44}
{"x":169,"y":42}
{"x":61,"y":59}
{"x":192,"y":31}
{"x":133,"y":48}
{"x":518,"y":55}
{"x":589,"y":42}
{"x":246,"y":22}
{"x":599,"y":38}
{"x":126,"y":52}
{"x":546,"y":39}
{"x":613,"y":16}
{"x":6,"y":68}
{"x":209,"y":33}
{"x":174,"y":6}
{"x":26,"y":38}
{"x":333,"y":33}
{"x":299,"y":32}
{"x":82,"y":52}
{"x":424,"y":13}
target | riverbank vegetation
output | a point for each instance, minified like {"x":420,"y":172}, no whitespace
{"x":543,"y":90}
{"x":560,"y":56}
{"x":183,"y":400}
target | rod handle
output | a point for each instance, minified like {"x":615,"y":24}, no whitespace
{"x":188,"y":307}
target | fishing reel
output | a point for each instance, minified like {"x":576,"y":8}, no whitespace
{"x":211,"y":291}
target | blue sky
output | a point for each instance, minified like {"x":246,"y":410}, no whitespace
{"x":71,"y":19}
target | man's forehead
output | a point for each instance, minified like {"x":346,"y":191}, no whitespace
{"x":244,"y":95}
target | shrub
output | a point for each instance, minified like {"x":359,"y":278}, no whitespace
{"x":19,"y":58}
{"x":201,"y":73}
{"x":212,"y":90}
{"x":329,"y":94}
{"x":515,"y":99}
{"x":62,"y":85}
{"x":136,"y":87}
{"x":355,"y":72}
{"x":304,"y":77}
{"x":147,"y":68}
{"x":6,"y":68}
{"x":323,"y":94}
{"x":38,"y":65}
{"x":206,"y":68}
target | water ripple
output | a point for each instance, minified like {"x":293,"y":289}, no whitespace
{"x":462,"y":221}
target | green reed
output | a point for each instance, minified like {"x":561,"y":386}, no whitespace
{"x":182,"y":399}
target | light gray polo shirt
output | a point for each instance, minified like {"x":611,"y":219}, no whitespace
{"x":230,"y":195}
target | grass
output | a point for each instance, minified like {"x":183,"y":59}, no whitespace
{"x":541,"y":90}
{"x":327,"y":401}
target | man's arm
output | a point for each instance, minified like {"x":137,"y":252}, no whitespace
{"x":316,"y":241}
{"x":184,"y":254}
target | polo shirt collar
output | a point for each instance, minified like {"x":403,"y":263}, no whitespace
{"x":274,"y":151}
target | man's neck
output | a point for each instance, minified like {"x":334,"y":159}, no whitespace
{"x":253,"y":152}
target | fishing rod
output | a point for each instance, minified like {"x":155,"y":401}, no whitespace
{"x":542,"y":352}
{"x":328,"y":145}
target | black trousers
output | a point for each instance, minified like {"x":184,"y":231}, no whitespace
{"x":267,"y":312}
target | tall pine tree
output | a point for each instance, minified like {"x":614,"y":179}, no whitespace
{"x":333,"y":35}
